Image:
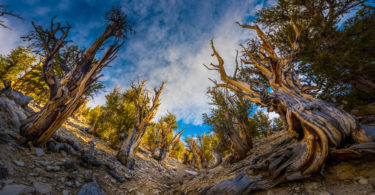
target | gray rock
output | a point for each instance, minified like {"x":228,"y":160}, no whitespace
{"x":14,"y":113}
{"x":91,"y":188}
{"x":191,"y":172}
{"x":19,"y":163}
{"x":77,"y":183}
{"x":69,"y":183}
{"x":65,"y":192}
{"x":39,"y":152}
{"x":42,"y":163}
{"x":42,"y":188}
{"x":15,"y":189}
{"x":53,"y":168}
{"x":34,"y":174}
{"x":363,"y":181}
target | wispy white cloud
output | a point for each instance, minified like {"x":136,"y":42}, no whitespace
{"x":9,"y":37}
{"x":174,"y":52}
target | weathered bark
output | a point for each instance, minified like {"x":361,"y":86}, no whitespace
{"x":66,"y":92}
{"x":196,"y":155}
{"x":316,"y":126}
{"x":218,"y":159}
{"x":144,"y":114}
{"x":164,"y":152}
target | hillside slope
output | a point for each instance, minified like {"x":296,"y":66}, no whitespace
{"x":30,"y":170}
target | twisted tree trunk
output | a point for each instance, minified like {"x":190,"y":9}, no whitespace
{"x":164,"y":152}
{"x":196,"y":155}
{"x":317,"y":127}
{"x":144,"y":114}
{"x":126,"y":153}
{"x":66,"y":92}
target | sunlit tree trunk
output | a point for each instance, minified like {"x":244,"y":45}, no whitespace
{"x":196,"y":155}
{"x":164,"y":152}
{"x":144,"y":114}
{"x":66,"y":92}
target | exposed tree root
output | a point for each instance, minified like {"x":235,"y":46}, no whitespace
{"x":353,"y":152}
{"x":270,"y":169}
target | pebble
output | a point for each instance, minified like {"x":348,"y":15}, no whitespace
{"x":53,"y":168}
{"x":77,"y":183}
{"x":68,"y":183}
{"x":65,"y":192}
{"x":363,"y":181}
{"x":39,"y":152}
{"x":33,"y":174}
{"x":19,"y":163}
{"x":42,"y":163}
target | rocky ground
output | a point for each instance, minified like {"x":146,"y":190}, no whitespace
{"x":345,"y":177}
{"x":31,"y":170}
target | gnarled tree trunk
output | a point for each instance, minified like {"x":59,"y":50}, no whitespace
{"x":316,"y":126}
{"x":144,"y":114}
{"x":196,"y":155}
{"x":164,"y":152}
{"x":66,"y":92}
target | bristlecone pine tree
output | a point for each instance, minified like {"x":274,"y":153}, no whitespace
{"x":145,"y":108}
{"x":66,"y":92}
{"x":234,"y":123}
{"x":194,"y":149}
{"x":316,"y":127}
{"x":165,"y":138}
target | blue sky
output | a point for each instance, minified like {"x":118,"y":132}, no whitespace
{"x":171,"y":44}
